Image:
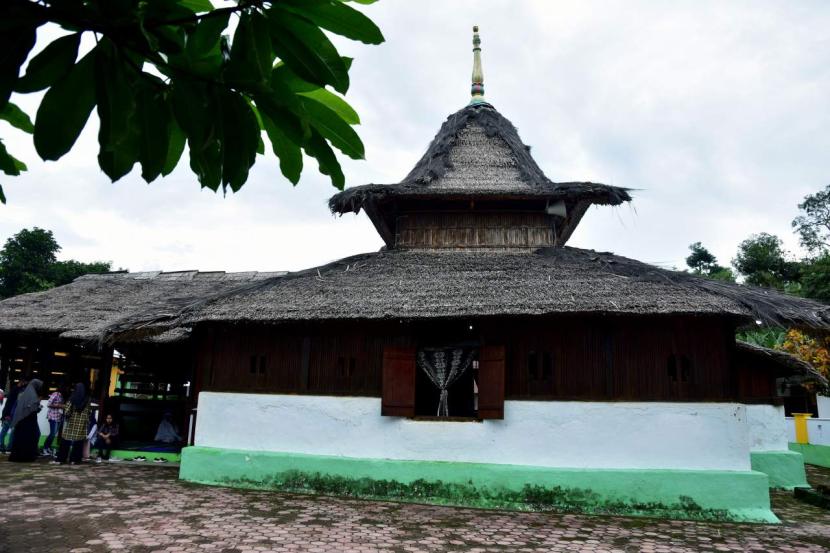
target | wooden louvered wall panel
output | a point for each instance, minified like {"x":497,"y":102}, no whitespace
{"x":591,"y":359}
{"x":474,"y":230}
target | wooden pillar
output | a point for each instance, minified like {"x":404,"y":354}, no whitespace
{"x":196,"y":344}
{"x":5,"y":365}
{"x":104,"y":373}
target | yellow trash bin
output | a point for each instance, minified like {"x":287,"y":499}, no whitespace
{"x":801,"y":434}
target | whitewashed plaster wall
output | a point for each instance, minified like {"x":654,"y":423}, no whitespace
{"x":818,"y":431}
{"x":823,"y":404}
{"x":767,"y":427}
{"x":556,"y":434}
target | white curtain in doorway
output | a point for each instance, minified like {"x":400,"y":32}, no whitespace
{"x":444,"y":367}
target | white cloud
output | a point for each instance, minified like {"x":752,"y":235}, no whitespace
{"x":717,"y":112}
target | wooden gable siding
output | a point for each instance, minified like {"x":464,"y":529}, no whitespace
{"x":464,"y":230}
{"x":576,"y":358}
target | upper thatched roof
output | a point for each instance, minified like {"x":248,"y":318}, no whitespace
{"x":88,"y":307}
{"x":477,"y":154}
{"x":425,"y":285}
{"x":790,"y":364}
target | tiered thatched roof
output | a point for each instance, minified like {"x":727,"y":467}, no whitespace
{"x":91,"y":305}
{"x":477,"y":154}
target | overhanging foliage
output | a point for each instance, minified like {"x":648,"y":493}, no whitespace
{"x":164,"y":74}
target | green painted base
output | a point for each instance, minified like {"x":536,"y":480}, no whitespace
{"x":818,"y":455}
{"x":784,"y":468}
{"x":130,"y":454}
{"x":126,"y":453}
{"x":686,"y":494}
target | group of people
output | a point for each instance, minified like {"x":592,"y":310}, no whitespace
{"x":71,"y":422}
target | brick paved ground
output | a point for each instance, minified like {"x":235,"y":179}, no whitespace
{"x":96,"y":508}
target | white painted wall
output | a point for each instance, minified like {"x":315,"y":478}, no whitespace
{"x":823,"y":404}
{"x":556,"y":434}
{"x":768,"y":428}
{"x":818,"y":430}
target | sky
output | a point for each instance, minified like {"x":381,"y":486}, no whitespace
{"x":715,"y":113}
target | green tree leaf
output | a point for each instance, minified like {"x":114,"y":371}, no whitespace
{"x":241,"y":136}
{"x":175,"y":147}
{"x":288,"y":152}
{"x":8,"y":163}
{"x":335,"y":103}
{"x":317,"y":148}
{"x":205,"y":37}
{"x":251,"y":56}
{"x":335,"y":129}
{"x":336,"y":17}
{"x":197,"y":6}
{"x":306,"y":49}
{"x":16,"y":117}
{"x":118,"y":136}
{"x":18,"y":40}
{"x":154,"y":120}
{"x":284,"y":116}
{"x":64,"y":110}
{"x":2,"y":196}
{"x":202,"y":54}
{"x":195,"y":109}
{"x":50,"y":65}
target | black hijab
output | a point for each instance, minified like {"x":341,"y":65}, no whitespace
{"x":78,"y":398}
{"x":28,"y":402}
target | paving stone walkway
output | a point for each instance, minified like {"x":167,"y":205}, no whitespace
{"x":119,"y":507}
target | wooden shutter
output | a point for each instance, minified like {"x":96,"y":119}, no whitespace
{"x":491,"y":382}
{"x":398,"y":382}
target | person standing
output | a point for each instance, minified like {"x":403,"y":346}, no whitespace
{"x":75,"y":421}
{"x":8,"y":413}
{"x":26,"y":432}
{"x":54,"y":415}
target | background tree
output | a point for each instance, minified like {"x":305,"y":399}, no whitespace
{"x":28,"y":263}
{"x":815,"y":349}
{"x":164,"y":74}
{"x":815,"y":278}
{"x":813,"y":223}
{"x":762,"y":261}
{"x":702,"y":262}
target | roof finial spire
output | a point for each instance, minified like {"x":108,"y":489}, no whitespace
{"x":477,"y":90}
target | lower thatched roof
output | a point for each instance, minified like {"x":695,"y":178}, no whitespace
{"x":424,"y":285}
{"x":393,"y":285}
{"x":86,"y":308}
{"x":790,"y":365}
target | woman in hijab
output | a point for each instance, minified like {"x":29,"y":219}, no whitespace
{"x":167,"y":432}
{"x":75,"y":426}
{"x":24,"y":424}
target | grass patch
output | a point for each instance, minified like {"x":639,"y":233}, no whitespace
{"x":529,"y":498}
